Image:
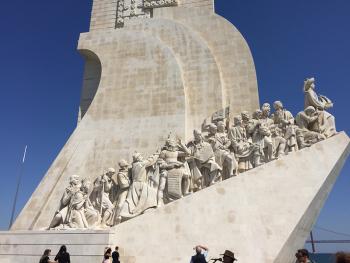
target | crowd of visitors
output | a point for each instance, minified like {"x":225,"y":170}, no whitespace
{"x":201,"y":256}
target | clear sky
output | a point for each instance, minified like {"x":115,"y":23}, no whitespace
{"x":41,"y":76}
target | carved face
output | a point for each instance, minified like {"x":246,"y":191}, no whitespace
{"x":277,"y":105}
{"x":197,"y":135}
{"x":238,"y":121}
{"x":221,"y":126}
{"x":212,"y":129}
{"x":266,"y":109}
{"x":245,"y":116}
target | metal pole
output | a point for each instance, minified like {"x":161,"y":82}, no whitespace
{"x":312,"y":243}
{"x":18,"y":184}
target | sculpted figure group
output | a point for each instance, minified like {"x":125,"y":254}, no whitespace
{"x":179,"y":169}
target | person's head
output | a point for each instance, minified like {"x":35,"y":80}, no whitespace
{"x":237,"y":120}
{"x":74,"y":179}
{"x":123,"y":164}
{"x":277,"y":105}
{"x":63,"y":249}
{"x":302,"y":255}
{"x":245,"y":116}
{"x":47,"y":252}
{"x":110,"y":172}
{"x":212,"y":128}
{"x":108,"y":252}
{"x":309,"y":84}
{"x":198,"y":250}
{"x":228,"y":257}
{"x":116,"y":248}
{"x":266,"y":109}
{"x":221,"y":126}
{"x":137,"y":157}
{"x":342,"y":257}
{"x":257,"y":114}
{"x":85,"y":188}
{"x":310,"y":110}
{"x":197,"y":135}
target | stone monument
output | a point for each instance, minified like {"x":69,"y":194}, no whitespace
{"x":170,"y":144}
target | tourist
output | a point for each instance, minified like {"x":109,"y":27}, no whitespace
{"x":342,"y":257}
{"x":107,"y":255}
{"x":45,"y":258}
{"x":228,"y":257}
{"x":302,"y":256}
{"x":115,"y":255}
{"x":201,"y":254}
{"x":62,"y":255}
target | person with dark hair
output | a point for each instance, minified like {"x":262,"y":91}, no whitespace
{"x":62,"y":255}
{"x":107,"y":255}
{"x":201,"y":254}
{"x":115,"y":255}
{"x":45,"y":258}
{"x":342,"y":257}
{"x":302,"y":256}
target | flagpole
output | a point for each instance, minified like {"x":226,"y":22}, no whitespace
{"x":17,"y":188}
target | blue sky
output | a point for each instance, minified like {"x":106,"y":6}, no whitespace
{"x":41,"y":76}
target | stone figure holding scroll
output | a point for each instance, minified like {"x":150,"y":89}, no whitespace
{"x":326,"y":122}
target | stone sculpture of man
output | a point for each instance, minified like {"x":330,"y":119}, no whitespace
{"x":82,"y":214}
{"x":263,"y":137}
{"x":304,"y":120}
{"x":326,"y":122}
{"x":123,"y":181}
{"x":174,"y":171}
{"x":285,"y":121}
{"x":103,"y":196}
{"x":141,"y":195}
{"x":223,"y":156}
{"x":278,"y":142}
{"x":246,"y":152}
{"x":205,"y":171}
{"x":62,"y":212}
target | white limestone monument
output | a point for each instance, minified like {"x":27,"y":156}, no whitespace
{"x":172,"y":148}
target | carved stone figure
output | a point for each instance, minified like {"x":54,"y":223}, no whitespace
{"x":304,"y":120}
{"x":221,"y":145}
{"x":81,"y":212}
{"x":174,"y":172}
{"x":103,"y":196}
{"x":205,"y":171}
{"x":326,"y":121}
{"x":62,"y":212}
{"x":123,"y":181}
{"x":246,"y":152}
{"x":142,"y":194}
{"x":285,"y":121}
{"x":278,"y":142}
{"x":263,"y":135}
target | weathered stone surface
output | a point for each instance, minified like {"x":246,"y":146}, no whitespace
{"x":151,"y":77}
{"x":251,"y":214}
